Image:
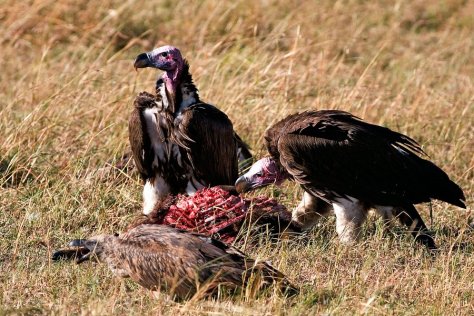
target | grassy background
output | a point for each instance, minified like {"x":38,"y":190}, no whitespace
{"x":67,"y":86}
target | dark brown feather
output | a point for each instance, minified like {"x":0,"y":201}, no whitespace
{"x":139,"y":140}
{"x":206,"y":136}
{"x":334,"y":153}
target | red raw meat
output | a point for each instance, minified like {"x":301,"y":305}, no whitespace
{"x":214,"y":211}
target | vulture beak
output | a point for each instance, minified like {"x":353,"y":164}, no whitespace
{"x":84,"y":252}
{"x":142,"y":61}
{"x":75,"y":250}
{"x":243,"y":185}
{"x":83,"y":258}
{"x":77,"y":243}
{"x":229,"y":188}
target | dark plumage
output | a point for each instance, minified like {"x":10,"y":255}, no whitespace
{"x":183,"y":264}
{"x":179,"y":143}
{"x":339,"y":159}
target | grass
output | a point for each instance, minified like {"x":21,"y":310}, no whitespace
{"x":67,"y":86}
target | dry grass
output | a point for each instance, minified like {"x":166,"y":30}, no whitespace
{"x":67,"y":84}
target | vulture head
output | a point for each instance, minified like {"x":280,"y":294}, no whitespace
{"x":83,"y":249}
{"x":264,"y":172}
{"x":166,"y":58}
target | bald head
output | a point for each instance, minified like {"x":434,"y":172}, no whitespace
{"x":262,"y":173}
{"x":167,"y":58}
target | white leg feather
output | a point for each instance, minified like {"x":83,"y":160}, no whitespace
{"x":350,"y":215}
{"x":153,"y":193}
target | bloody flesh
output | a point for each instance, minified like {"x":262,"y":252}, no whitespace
{"x":214,"y":211}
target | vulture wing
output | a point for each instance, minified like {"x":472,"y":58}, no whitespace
{"x":183,"y":263}
{"x":206,"y":136}
{"x":333,"y":153}
{"x":139,"y":140}
{"x":181,"y":259}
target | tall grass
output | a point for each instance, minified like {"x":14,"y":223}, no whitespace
{"x":67,"y":85}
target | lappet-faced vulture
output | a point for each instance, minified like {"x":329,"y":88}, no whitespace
{"x":348,"y":165}
{"x":179,"y":143}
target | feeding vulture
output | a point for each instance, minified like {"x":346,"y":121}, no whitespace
{"x":184,"y":264}
{"x":180,"y":144}
{"x":341,"y":161}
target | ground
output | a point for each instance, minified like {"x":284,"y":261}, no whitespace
{"x":67,"y":84}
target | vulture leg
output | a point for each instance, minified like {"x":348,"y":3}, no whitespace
{"x":310,"y":210}
{"x":386,"y":212}
{"x":155,"y":190}
{"x":350,"y":215}
{"x":410,"y":217}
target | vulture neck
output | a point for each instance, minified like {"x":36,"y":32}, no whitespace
{"x":282,"y":173}
{"x":177,"y":90}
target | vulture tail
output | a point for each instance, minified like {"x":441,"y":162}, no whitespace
{"x":271,"y":275}
{"x":440,"y":187}
{"x":259,"y":274}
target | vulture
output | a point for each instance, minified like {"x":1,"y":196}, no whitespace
{"x":180,"y":144}
{"x":183,"y":264}
{"x":350,"y":166}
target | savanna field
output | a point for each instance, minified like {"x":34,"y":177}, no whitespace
{"x":67,"y":86}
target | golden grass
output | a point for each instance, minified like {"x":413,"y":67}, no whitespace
{"x":67,"y":85}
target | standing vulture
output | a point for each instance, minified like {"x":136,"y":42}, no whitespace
{"x":180,"y":144}
{"x":342,"y":161}
{"x":184,"y":264}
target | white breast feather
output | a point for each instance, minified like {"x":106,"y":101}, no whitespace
{"x":152,"y":129}
{"x":163,"y":96}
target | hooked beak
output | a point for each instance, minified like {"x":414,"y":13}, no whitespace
{"x":75,"y":250}
{"x":84,"y":257}
{"x":85,"y":251}
{"x":243,"y":185}
{"x":142,"y":61}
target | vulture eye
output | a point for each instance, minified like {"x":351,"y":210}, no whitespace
{"x":259,"y":174}
{"x":165,"y":54}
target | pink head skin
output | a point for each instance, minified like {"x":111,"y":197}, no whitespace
{"x":262,"y":173}
{"x":166,"y":58}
